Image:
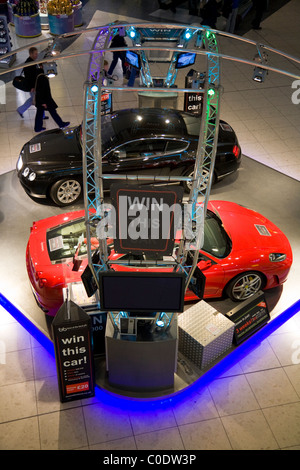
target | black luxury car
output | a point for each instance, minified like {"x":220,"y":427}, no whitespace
{"x":153,"y":141}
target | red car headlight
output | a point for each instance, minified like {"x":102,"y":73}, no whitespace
{"x":277,"y":257}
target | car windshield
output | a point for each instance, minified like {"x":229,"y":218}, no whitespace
{"x":216,"y":241}
{"x":67,"y":239}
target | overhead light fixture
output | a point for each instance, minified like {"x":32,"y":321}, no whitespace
{"x":94,"y":88}
{"x":259,"y":74}
{"x":56,"y":49}
{"x":132,"y":32}
{"x":50,"y":69}
{"x":187,"y":34}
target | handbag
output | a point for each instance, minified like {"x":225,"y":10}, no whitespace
{"x":34,"y":93}
{"x":21,"y":83}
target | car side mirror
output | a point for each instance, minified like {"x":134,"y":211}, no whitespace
{"x":204,"y":264}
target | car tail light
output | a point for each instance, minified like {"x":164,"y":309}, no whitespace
{"x":236,"y":151}
{"x":38,"y":277}
{"x":42,"y":282}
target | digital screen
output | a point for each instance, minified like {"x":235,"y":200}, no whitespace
{"x":133,"y":59}
{"x":142,"y":292}
{"x":185,"y":59}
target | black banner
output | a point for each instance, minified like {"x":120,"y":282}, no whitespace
{"x":106,"y":103}
{"x":71,"y":330}
{"x":249,"y":317}
{"x":146,"y":218}
{"x":98,"y":320}
{"x":193,"y":102}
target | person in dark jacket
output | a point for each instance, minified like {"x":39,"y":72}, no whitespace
{"x":44,"y":101}
{"x":30,"y":74}
{"x":118,"y":41}
{"x":209,"y":14}
{"x":259,"y":7}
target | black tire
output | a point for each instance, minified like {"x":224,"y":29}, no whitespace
{"x":243,"y":286}
{"x":187,"y":185}
{"x":66,"y":191}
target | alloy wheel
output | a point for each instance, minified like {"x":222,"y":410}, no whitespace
{"x":246,"y":286}
{"x":69,"y":191}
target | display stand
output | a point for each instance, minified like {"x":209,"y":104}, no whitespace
{"x":10,"y":12}
{"x":78,"y":21}
{"x":140,"y":360}
{"x":27,"y":26}
{"x":60,"y":24}
{"x":5,"y":46}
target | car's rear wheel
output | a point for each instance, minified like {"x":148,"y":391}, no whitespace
{"x":66,"y":191}
{"x":244,"y":286}
{"x":188,"y":184}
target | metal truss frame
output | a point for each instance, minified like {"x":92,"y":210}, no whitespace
{"x":204,"y":162}
{"x":205,"y":159}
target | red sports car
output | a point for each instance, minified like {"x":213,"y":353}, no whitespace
{"x":243,"y":252}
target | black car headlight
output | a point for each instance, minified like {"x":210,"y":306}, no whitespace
{"x":20,"y":163}
{"x":276,"y":257}
{"x":30,"y":175}
{"x":26,"y":172}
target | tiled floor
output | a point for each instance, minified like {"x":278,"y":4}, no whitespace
{"x":255,"y":404}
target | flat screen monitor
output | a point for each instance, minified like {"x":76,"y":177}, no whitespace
{"x":142,"y":291}
{"x":185,"y":59}
{"x":133,"y":59}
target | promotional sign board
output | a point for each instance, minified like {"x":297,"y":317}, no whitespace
{"x":249,"y":317}
{"x":71,"y":329}
{"x":193,"y":102}
{"x":146,"y":218}
{"x":106,"y":103}
{"x":98,"y":320}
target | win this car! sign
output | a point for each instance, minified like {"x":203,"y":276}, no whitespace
{"x":71,"y":330}
{"x":146,"y":218}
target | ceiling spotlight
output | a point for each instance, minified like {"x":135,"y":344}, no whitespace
{"x":132,"y":33}
{"x":56,"y":49}
{"x":187,"y":34}
{"x":94,"y":88}
{"x":259,"y":74}
{"x":50,"y":69}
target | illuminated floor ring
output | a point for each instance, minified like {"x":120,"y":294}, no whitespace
{"x":214,"y":372}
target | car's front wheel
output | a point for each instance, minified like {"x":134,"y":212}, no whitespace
{"x":244,"y":286}
{"x":66,"y":191}
{"x":205,"y":175}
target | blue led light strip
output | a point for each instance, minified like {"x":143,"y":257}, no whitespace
{"x":27,"y":324}
{"x":222,"y":366}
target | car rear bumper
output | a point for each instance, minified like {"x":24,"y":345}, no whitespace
{"x":227,"y":164}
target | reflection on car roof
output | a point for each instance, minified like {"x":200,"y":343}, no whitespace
{"x":131,"y":123}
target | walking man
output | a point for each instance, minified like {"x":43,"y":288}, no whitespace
{"x":30,"y":74}
{"x":44,"y":101}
